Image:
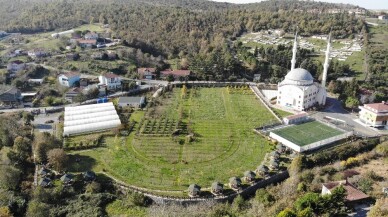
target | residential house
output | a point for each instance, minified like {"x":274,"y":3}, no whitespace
{"x":357,"y":11}
{"x":72,"y":94}
{"x":16,"y":66}
{"x":87,"y":43}
{"x":374,"y":114}
{"x":146,"y":73}
{"x":383,"y":17}
{"x":9,"y":96}
{"x":135,"y":102}
{"x":110,"y":80}
{"x":74,"y":38}
{"x":36,"y":53}
{"x":353,"y":195}
{"x":176,"y":73}
{"x":91,"y":36}
{"x":28,"y":98}
{"x":69,"y":79}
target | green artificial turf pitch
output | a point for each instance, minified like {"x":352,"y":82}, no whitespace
{"x":307,"y":133}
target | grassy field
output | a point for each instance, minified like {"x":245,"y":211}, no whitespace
{"x":281,"y":113}
{"x":356,"y":63}
{"x":91,"y":27}
{"x":223,"y":143}
{"x":307,"y":133}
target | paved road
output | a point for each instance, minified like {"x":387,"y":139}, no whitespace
{"x":335,"y":110}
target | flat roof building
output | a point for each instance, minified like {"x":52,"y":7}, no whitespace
{"x":136,"y":102}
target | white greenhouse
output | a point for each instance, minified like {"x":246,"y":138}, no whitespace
{"x":90,"y":118}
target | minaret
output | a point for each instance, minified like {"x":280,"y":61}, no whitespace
{"x":294,"y":49}
{"x":326,"y":64}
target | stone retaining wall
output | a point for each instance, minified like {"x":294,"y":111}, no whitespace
{"x":251,"y":190}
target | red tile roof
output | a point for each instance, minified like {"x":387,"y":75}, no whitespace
{"x":71,"y":74}
{"x":91,"y":41}
{"x":143,"y":70}
{"x":111,"y":75}
{"x":176,"y":72}
{"x":378,"y":107}
{"x":299,"y":115}
{"x":352,"y":193}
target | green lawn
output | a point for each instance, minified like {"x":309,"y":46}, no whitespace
{"x":224,"y":144}
{"x":307,"y":133}
{"x":281,"y":113}
{"x":91,"y":27}
{"x":356,"y":63}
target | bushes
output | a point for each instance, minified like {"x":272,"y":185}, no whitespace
{"x":382,"y":149}
{"x":263,"y":196}
{"x":85,"y":142}
{"x":350,"y":162}
{"x":341,"y":153}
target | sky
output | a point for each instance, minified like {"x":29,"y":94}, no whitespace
{"x":369,"y":4}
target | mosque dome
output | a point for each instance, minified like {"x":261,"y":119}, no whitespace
{"x":299,"y":76}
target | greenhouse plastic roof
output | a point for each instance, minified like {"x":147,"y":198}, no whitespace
{"x":90,"y":118}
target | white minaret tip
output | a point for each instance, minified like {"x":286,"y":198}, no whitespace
{"x":294,"y":49}
{"x":326,"y":64}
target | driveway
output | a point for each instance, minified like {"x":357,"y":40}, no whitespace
{"x":335,"y":110}
{"x":41,"y":119}
{"x":361,"y":210}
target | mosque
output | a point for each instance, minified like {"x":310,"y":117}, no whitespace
{"x":298,"y":90}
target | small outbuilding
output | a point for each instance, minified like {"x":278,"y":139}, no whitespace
{"x":217,"y":188}
{"x":135,"y":102}
{"x":280,"y":148}
{"x":274,"y":155}
{"x":249,"y":176}
{"x":89,"y":176}
{"x":44,"y":172}
{"x":45,"y":182}
{"x":273,"y":165}
{"x":235,"y":183}
{"x":262,"y":170}
{"x":67,"y":178}
{"x":194,"y":190}
{"x":295,"y":119}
